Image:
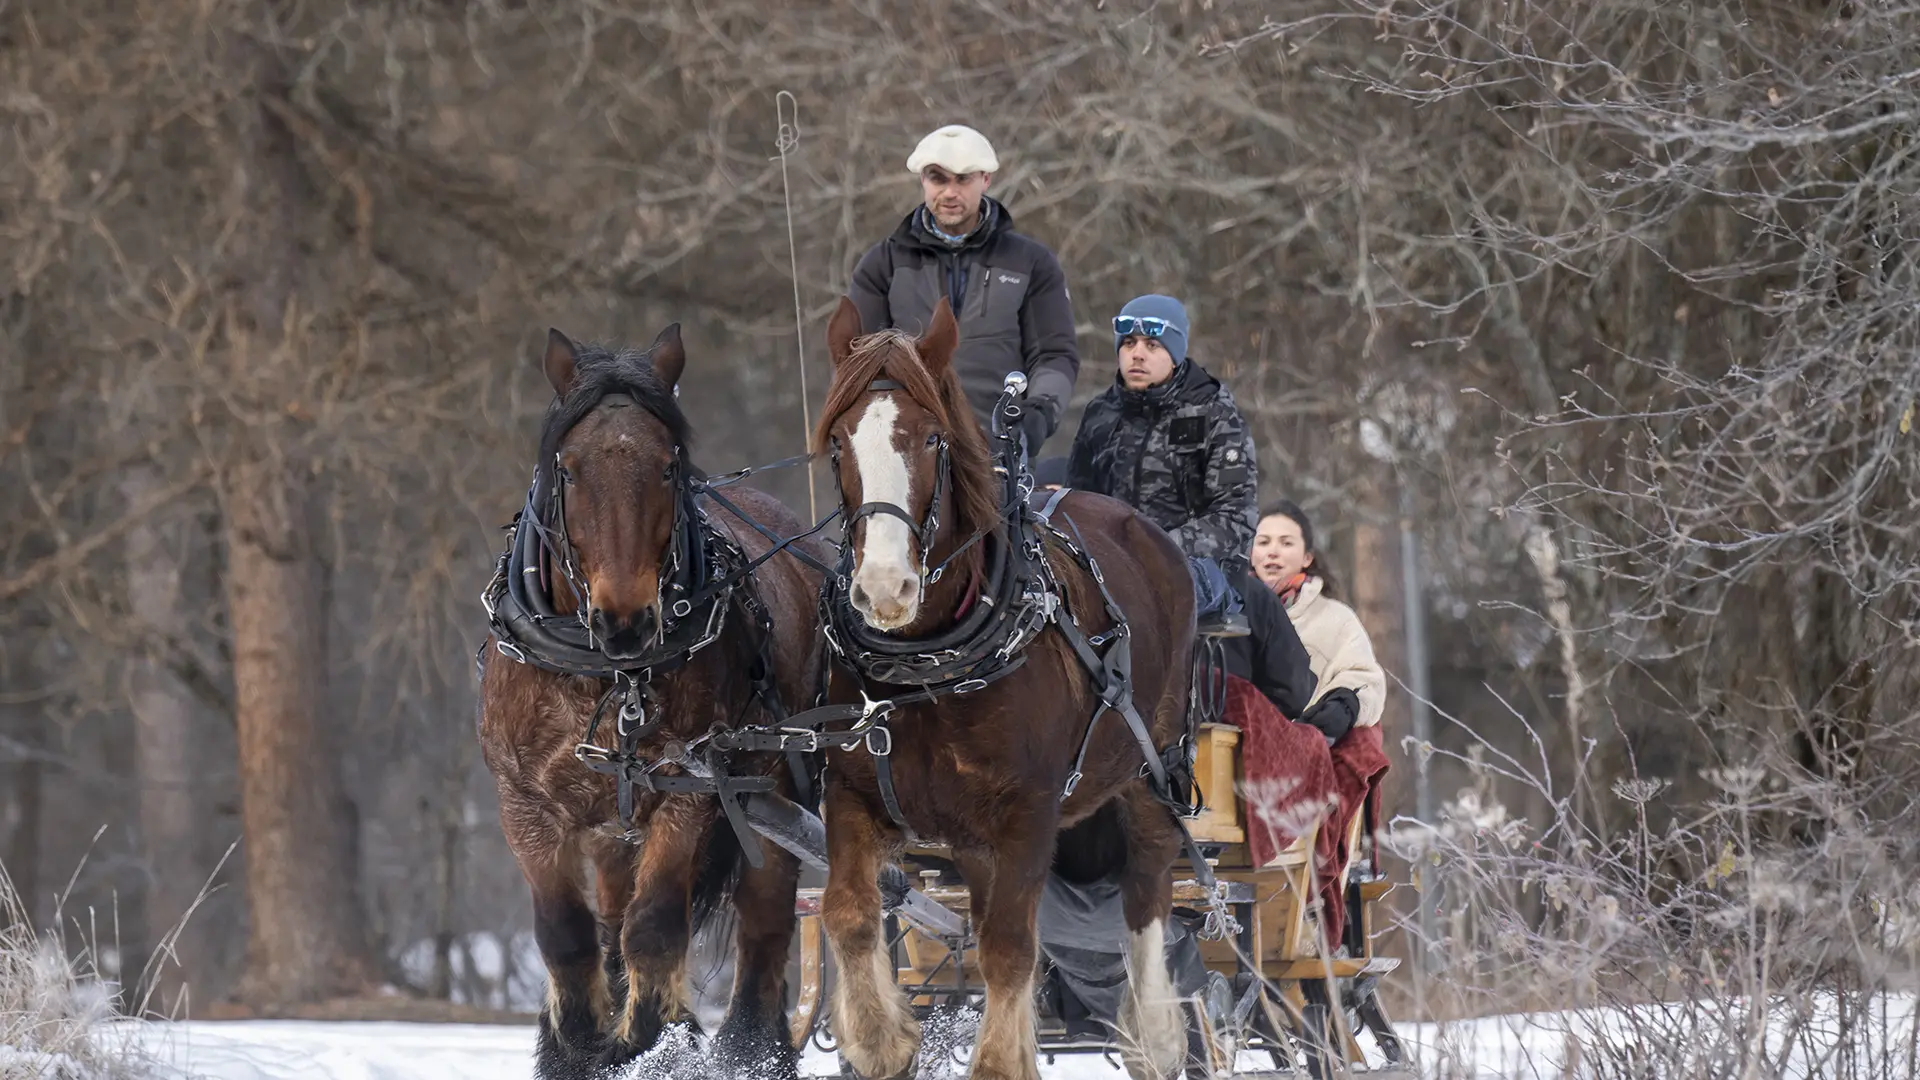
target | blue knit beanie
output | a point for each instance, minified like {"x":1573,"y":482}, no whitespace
{"x":1155,"y":306}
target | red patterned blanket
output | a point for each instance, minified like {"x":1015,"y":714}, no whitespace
{"x":1290,"y":781}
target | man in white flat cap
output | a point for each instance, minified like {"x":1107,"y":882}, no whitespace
{"x":1007,"y":290}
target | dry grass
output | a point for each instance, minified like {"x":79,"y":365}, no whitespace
{"x":58,"y":1019}
{"x":1767,"y":931}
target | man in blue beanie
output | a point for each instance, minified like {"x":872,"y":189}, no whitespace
{"x":1167,"y":439}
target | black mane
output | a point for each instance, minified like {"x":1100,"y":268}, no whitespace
{"x":599,"y":371}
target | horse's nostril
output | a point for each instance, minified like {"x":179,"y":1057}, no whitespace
{"x":604,"y":625}
{"x":858,"y":595}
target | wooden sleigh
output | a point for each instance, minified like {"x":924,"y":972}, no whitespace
{"x":1278,"y":991}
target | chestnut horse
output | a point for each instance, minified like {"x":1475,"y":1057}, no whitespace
{"x":614,"y":531}
{"x":986,"y":769}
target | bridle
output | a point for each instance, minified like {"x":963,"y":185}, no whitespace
{"x":682,"y":570}
{"x":698,"y":575}
{"x":927,"y":527}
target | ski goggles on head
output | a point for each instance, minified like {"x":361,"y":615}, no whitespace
{"x":1142,"y":326}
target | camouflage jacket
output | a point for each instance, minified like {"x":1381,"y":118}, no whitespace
{"x":1180,"y":454}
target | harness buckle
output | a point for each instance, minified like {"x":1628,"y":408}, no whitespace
{"x":682,"y":608}
{"x":510,"y":651}
{"x":589,"y":754}
{"x":1072,"y":782}
{"x":632,"y":708}
{"x":804,"y":742}
{"x":969,"y":686}
{"x":883,"y":746}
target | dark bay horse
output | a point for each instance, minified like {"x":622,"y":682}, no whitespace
{"x":984,"y":769}
{"x":614,"y":532}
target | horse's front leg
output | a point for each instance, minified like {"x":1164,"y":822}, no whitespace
{"x":753,"y":1042}
{"x":875,"y":1028}
{"x":1013,"y":872}
{"x":612,"y":891}
{"x":572,"y":1023}
{"x":658,"y":924}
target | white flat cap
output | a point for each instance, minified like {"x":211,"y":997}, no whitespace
{"x":956,"y":148}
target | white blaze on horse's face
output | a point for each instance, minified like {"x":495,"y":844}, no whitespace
{"x":886,"y":577}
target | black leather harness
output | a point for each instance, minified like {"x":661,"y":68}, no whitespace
{"x":1018,"y":600}
{"x":705,"y":579}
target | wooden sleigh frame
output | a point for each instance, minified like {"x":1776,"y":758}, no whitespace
{"x":1292,"y":996}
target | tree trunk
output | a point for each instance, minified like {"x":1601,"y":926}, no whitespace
{"x":170,"y":755}
{"x":1374,"y":591}
{"x":1374,"y":586}
{"x":307,"y":939}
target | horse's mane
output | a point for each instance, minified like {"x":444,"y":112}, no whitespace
{"x":892,"y":354}
{"x":598,"y":372}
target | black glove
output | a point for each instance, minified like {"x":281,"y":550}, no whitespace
{"x":1037,"y":423}
{"x":1334,"y":714}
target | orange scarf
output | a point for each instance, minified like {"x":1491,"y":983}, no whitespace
{"x":1291,"y":588}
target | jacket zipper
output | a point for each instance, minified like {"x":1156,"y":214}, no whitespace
{"x":1141,"y":460}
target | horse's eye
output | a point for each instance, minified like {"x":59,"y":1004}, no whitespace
{"x":933,"y":440}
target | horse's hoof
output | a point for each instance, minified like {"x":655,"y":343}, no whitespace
{"x":755,"y":1055}
{"x":1153,"y":1043}
{"x":616,"y":1056}
{"x":885,"y":1055}
{"x":557,"y":1059}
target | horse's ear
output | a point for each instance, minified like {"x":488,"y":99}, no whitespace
{"x":559,"y":361}
{"x":942,"y":337}
{"x":669,"y":357}
{"x":842,"y":329}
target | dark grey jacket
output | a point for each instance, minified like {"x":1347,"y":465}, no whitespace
{"x":1179,"y":453}
{"x":1007,"y":291}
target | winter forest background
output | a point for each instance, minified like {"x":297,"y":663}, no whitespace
{"x":1610,"y":306}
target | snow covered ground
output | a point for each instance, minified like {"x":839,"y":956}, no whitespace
{"x":1539,"y":1046}
{"x":299,"y":1050}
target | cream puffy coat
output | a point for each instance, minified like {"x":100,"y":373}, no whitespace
{"x":1339,"y":650}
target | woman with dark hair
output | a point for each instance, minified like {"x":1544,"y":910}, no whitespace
{"x":1351,"y":688}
